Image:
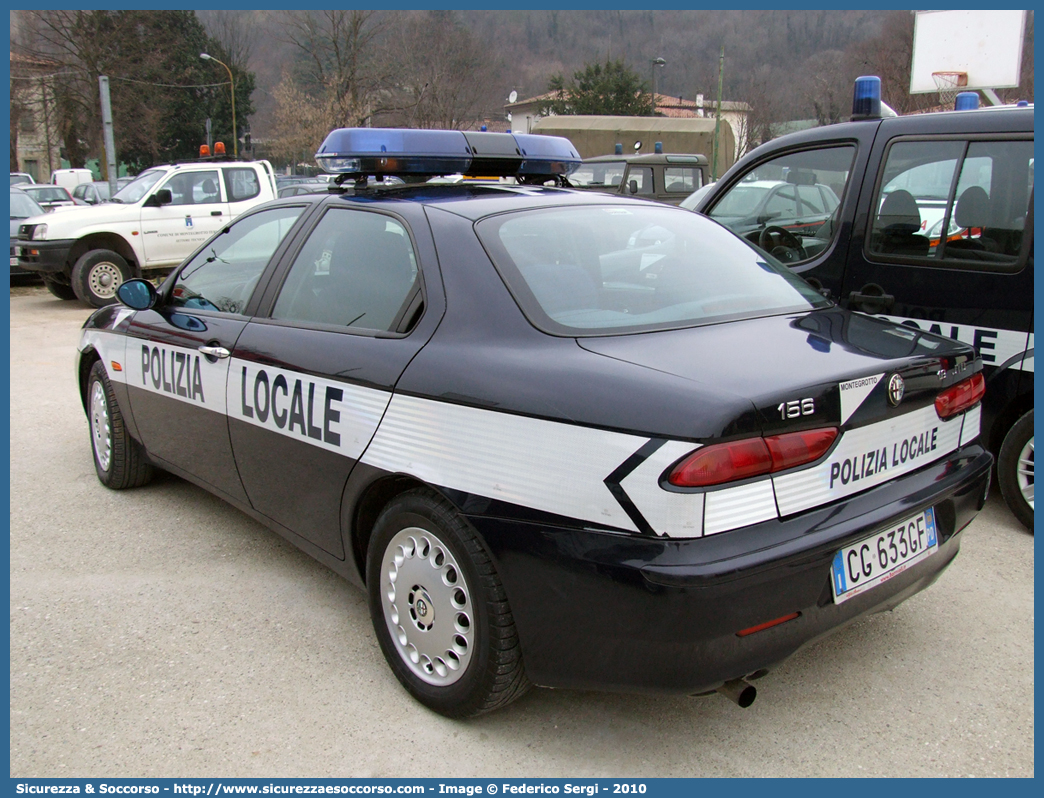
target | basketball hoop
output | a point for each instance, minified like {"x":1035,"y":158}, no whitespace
{"x":949,"y":85}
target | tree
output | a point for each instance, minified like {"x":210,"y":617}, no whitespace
{"x":445,"y":73}
{"x":609,"y":90}
{"x":336,"y":64}
{"x":162,"y":92}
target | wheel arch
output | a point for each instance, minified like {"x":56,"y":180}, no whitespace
{"x":367,"y":507}
{"x":110,"y":241}
{"x":1005,"y":420}
{"x":88,"y":357}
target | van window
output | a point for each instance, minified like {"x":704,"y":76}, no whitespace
{"x":978,"y":192}
{"x":682,"y":179}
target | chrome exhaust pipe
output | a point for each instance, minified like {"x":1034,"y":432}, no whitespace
{"x":740,"y":692}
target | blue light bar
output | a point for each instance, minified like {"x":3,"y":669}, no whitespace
{"x":966,"y":101}
{"x":384,"y":151}
{"x":866,"y":100}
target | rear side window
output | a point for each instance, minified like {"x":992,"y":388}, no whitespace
{"x":958,"y":203}
{"x":357,"y":269}
{"x":241,"y":184}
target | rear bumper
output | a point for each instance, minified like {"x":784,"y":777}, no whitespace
{"x":43,"y":256}
{"x":654,"y":615}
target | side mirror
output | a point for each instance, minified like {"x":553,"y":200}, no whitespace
{"x":161,"y":197}
{"x":632,"y":186}
{"x":137,"y":294}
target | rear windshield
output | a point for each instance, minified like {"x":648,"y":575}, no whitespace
{"x":601,"y":270}
{"x":47,"y":194}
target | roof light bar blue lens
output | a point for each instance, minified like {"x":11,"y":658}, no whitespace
{"x":866,"y":100}
{"x":547,"y":155}
{"x":966,"y":101}
{"x":377,"y":151}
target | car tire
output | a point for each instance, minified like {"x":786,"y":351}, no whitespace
{"x":1015,"y":469}
{"x":439,"y":609}
{"x":60,"y":290}
{"x":118,"y":458}
{"x":97,"y":275}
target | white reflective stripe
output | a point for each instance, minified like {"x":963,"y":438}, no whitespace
{"x":177,"y":372}
{"x":550,"y":466}
{"x":110,"y":347}
{"x":869,"y":456}
{"x":972,"y":425}
{"x":993,"y":345}
{"x":678,"y":515}
{"x":335,"y":416}
{"x":744,"y":505}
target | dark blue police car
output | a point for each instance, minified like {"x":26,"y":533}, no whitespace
{"x":560,"y":438}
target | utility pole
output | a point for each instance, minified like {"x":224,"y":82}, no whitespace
{"x":717,"y":116}
{"x":47,"y":129}
{"x":110,"y":147}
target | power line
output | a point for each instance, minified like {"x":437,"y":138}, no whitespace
{"x":172,"y":85}
{"x":127,"y":80}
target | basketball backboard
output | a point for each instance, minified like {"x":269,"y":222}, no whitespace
{"x":985,"y":45}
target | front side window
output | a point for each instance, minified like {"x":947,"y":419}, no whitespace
{"x":603,"y":270}
{"x":788,"y":205}
{"x":640,"y":180}
{"x":978,"y":192}
{"x":356,"y":270}
{"x":223,"y":276}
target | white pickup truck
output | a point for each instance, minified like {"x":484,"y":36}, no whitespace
{"x":151,"y":224}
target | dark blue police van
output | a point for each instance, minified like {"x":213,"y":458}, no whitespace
{"x":934,"y":230}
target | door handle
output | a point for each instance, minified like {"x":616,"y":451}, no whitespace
{"x":871,"y":299}
{"x":215,"y":213}
{"x":215,"y":351}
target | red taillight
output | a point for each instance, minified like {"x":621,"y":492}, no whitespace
{"x":960,"y":396}
{"x":798,"y":448}
{"x":729,"y":462}
{"x":722,"y":462}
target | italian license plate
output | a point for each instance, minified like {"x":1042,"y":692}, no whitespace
{"x":868,"y":563}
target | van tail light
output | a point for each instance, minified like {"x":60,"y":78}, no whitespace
{"x":752,"y":457}
{"x":960,"y":396}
